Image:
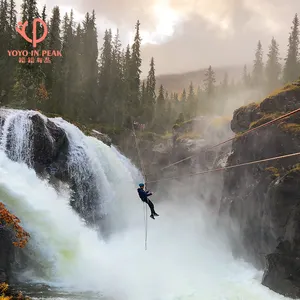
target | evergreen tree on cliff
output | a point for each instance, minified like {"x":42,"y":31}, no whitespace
{"x":53,"y":70}
{"x":183,"y":102}
{"x":160,"y":114}
{"x":273,"y":67}
{"x":71,"y":69}
{"x":143,"y":99}
{"x":224,"y":89}
{"x":88,"y":66}
{"x":149,"y":107}
{"x":126,"y":58}
{"x":116,"y":93}
{"x":246,"y":77}
{"x":258,"y":67}
{"x":7,"y":42}
{"x":105,"y":76}
{"x":135,"y":82}
{"x":209,"y":88}
{"x":40,"y":30}
{"x":291,"y":67}
{"x":191,"y":102}
{"x":29,"y":89}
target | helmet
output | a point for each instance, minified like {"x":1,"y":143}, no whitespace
{"x":141,"y":185}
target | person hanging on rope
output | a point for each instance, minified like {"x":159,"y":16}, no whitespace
{"x":144,"y":197}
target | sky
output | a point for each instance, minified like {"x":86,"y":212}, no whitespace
{"x":187,"y":35}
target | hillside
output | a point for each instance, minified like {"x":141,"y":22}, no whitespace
{"x":176,"y":82}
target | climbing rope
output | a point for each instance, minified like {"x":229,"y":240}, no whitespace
{"x":144,"y":176}
{"x":210,"y":170}
{"x":230,"y":167}
{"x":231,"y":139}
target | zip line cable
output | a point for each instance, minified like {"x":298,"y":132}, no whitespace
{"x":229,"y":167}
{"x":210,"y":170}
{"x":144,"y":176}
{"x":231,"y":139}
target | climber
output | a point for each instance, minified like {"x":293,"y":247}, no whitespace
{"x":144,"y":196}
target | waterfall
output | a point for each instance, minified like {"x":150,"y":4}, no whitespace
{"x":187,"y":257}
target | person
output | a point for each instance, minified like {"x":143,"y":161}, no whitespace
{"x":144,"y":197}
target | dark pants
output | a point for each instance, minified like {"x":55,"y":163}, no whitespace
{"x":151,"y":205}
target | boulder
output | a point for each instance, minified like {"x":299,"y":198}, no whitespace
{"x":264,"y":199}
{"x":6,"y":252}
{"x":101,"y":137}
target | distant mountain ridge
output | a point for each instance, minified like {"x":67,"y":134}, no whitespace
{"x":177,"y":82}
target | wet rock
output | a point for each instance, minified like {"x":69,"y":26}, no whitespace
{"x":101,"y":137}
{"x":6,"y":250}
{"x":264,"y":199}
{"x":244,"y":116}
{"x":49,"y":146}
{"x":282,"y":272}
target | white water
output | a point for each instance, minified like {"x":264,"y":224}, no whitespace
{"x":186,"y":257}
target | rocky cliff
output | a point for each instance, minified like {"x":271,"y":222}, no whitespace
{"x":190,"y":138}
{"x":30,"y":137}
{"x":264,"y":199}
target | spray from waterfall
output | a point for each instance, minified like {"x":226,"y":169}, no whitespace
{"x":187,"y":256}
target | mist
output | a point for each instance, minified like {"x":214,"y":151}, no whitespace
{"x":202,"y":32}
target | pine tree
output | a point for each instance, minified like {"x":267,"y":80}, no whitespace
{"x":126,"y":58}
{"x":258,"y":67}
{"x":224,"y":89}
{"x":105,"y":76}
{"x":160,"y":110}
{"x":183,"y":101}
{"x":12,"y":22}
{"x":29,"y":13}
{"x":246,"y":77}
{"x":135,"y":64}
{"x":273,"y":67}
{"x":143,"y":95}
{"x":116,"y":94}
{"x":291,"y":68}
{"x":88,"y":64}
{"x":150,"y":91}
{"x":44,"y":16}
{"x":191,"y":108}
{"x":6,"y":43}
{"x":29,"y":89}
{"x":70,"y":69}
{"x":209,"y":89}
{"x":53,"y":70}
{"x":209,"y":82}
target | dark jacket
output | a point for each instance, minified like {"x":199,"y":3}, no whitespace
{"x":143,"y":194}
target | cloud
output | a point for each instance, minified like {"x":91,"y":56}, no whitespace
{"x":185,"y":35}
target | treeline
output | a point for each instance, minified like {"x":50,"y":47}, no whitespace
{"x":265,"y":77}
{"x":105,"y":87}
{"x":85,"y":85}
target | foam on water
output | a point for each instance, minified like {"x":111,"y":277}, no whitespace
{"x":187,"y":258}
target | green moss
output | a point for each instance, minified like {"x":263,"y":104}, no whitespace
{"x":220,"y":121}
{"x":84,"y":128}
{"x":274,"y":171}
{"x":286,"y":88}
{"x":253,"y":105}
{"x":181,"y":124}
{"x":293,"y":172}
{"x":293,"y":128}
{"x":265,"y":119}
{"x":296,"y":168}
{"x":167,"y":136}
{"x":189,"y":135}
{"x":148,"y":135}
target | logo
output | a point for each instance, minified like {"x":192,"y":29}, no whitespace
{"x":34,"y":41}
{"x":33,"y":56}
